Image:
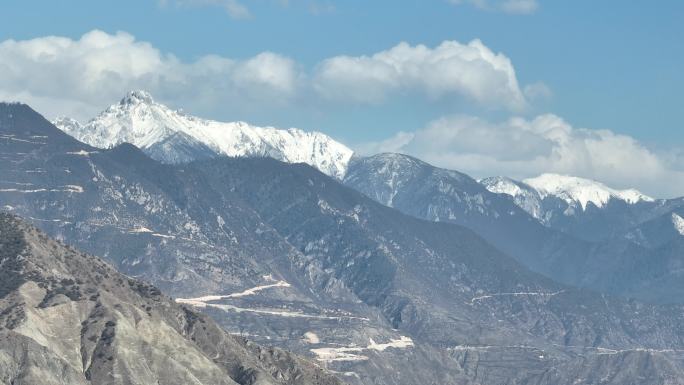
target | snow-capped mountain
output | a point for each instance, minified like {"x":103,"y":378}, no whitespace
{"x":287,"y":256}
{"x":171,"y":136}
{"x":582,"y":207}
{"x":526,"y":197}
{"x":578,"y":191}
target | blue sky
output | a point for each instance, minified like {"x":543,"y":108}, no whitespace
{"x":611,"y":64}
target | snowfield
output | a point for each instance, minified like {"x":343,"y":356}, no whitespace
{"x":172,"y":136}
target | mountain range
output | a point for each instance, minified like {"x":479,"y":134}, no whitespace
{"x":386,"y":271}
{"x":174,"y":137}
{"x":575,"y":231}
{"x":584,"y":208}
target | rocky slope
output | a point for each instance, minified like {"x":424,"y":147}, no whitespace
{"x":173,"y":137}
{"x":424,"y":191}
{"x":289,"y":256}
{"x":580,"y":207}
{"x":171,"y":226}
{"x":70,"y":318}
{"x":575,"y":231}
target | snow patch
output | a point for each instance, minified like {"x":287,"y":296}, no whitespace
{"x":163,"y":236}
{"x":15,"y":139}
{"x":523,"y":195}
{"x":311,"y":338}
{"x":402,"y":343}
{"x":82,"y":153}
{"x":67,"y":188}
{"x":581,"y":191}
{"x":517,"y":294}
{"x":678,"y":223}
{"x":73,"y":188}
{"x":353,"y":353}
{"x":140,"y":229}
{"x":205,"y":301}
{"x":272,"y":312}
{"x":252,"y":291}
{"x":48,"y":220}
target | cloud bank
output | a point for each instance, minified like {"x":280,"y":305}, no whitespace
{"x":80,"y":76}
{"x":59,"y":75}
{"x":471,"y":70}
{"x":522,"y":148}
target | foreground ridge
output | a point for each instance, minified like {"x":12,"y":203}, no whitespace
{"x":70,"y":318}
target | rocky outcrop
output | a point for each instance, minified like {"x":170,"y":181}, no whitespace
{"x":70,"y":318}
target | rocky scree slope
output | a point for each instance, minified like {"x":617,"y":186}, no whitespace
{"x":70,"y":318}
{"x":631,"y":263}
{"x":376,"y":295}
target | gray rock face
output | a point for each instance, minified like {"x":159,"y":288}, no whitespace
{"x":582,"y":208}
{"x":634,"y":249}
{"x":192,"y":238}
{"x":290,"y":257}
{"x":423,"y":191}
{"x":70,"y":318}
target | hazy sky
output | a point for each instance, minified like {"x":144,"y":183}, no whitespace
{"x":516,"y":87}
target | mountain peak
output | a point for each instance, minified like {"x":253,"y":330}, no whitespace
{"x":24,"y":126}
{"x":172,"y":137}
{"x":137,"y":97}
{"x":583,"y":191}
{"x":65,"y":121}
{"x":504,"y":185}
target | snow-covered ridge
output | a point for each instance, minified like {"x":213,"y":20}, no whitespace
{"x":678,"y":223}
{"x":575,"y":190}
{"x":172,"y":136}
{"x":524,"y":196}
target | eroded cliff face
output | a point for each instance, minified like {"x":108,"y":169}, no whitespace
{"x":70,"y":318}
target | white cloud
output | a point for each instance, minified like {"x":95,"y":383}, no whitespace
{"x":523,"y":148}
{"x":59,"y":75}
{"x":471,"y":70}
{"x":79,"y":77}
{"x":521,"y":7}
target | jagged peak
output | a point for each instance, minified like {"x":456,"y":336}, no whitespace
{"x":574,"y":189}
{"x":139,"y":120}
{"x":136,"y":97}
{"x":395,"y":158}
{"x":506,"y":185}
{"x":65,"y":121}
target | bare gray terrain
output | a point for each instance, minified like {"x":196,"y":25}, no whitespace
{"x":70,"y":318}
{"x":290,"y":257}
